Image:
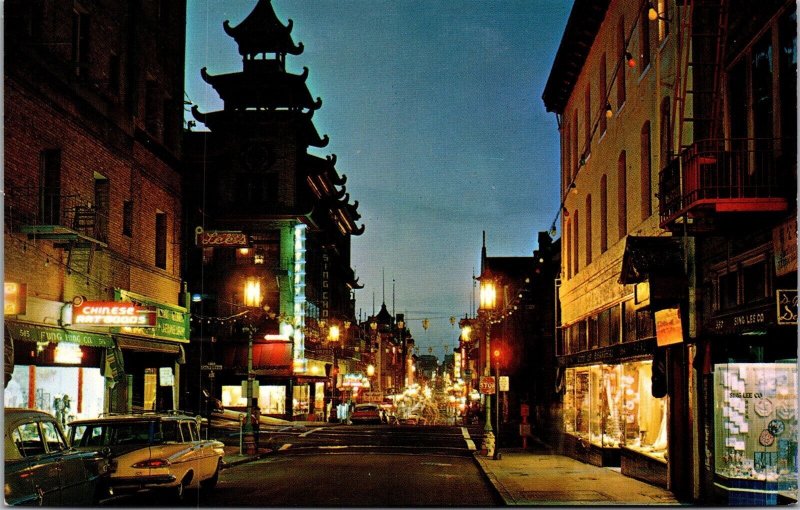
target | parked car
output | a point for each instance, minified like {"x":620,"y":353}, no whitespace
{"x":161,"y":451}
{"x":367,"y":413}
{"x":40,"y":467}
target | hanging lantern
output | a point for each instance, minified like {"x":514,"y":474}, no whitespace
{"x":425,"y":324}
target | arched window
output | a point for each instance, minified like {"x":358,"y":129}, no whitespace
{"x":646,"y":173}
{"x":603,"y":213}
{"x":588,"y":229}
{"x":575,"y":242}
{"x":622,"y":196}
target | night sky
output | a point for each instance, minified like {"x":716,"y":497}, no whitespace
{"x":434,"y":110}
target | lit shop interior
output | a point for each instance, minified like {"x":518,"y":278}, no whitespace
{"x":755,"y":424}
{"x":612,"y":406}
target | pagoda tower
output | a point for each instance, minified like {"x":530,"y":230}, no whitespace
{"x":286,"y":216}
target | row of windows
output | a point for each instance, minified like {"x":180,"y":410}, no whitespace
{"x":572,"y":230}
{"x":620,"y":323}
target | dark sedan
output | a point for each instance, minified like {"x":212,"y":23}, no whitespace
{"x":41,"y":469}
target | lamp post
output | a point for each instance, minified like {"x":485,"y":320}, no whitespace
{"x":333,"y":337}
{"x":373,"y":326}
{"x":252,"y":300}
{"x":497,"y":409}
{"x":401,"y":324}
{"x":488,"y":300}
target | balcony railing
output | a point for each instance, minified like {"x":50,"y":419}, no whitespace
{"x":54,"y":215}
{"x":726,"y":175}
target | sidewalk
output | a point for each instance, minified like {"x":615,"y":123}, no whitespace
{"x":540,"y":479}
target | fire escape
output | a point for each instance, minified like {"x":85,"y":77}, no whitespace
{"x":70,"y":222}
{"x":714,"y":179}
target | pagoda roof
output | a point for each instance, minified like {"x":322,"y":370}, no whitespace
{"x":262,"y":84}
{"x":384,"y":317}
{"x":322,"y":176}
{"x":226,"y":120}
{"x":262,"y":32}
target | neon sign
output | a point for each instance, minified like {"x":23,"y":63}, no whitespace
{"x":114,"y":313}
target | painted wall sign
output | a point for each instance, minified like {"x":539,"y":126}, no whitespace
{"x":113,"y":313}
{"x":784,"y":239}
{"x":15,"y":298}
{"x":172,"y":321}
{"x":668,"y":326}
{"x":787,"y":307}
{"x":25,"y":332}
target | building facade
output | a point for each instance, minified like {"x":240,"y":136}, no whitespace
{"x":675,"y":184}
{"x":270,"y":217}
{"x":95,"y":318}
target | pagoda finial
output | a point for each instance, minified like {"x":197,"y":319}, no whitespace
{"x":261,"y":32}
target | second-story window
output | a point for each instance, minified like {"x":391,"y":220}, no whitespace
{"x":621,"y":50}
{"x":152,"y":109}
{"x":50,"y":189}
{"x":644,"y":39}
{"x":80,"y":41}
{"x":575,"y":242}
{"x":588,"y":229}
{"x":647,"y":192}
{"x":603,"y":213}
{"x":602,"y":93}
{"x":127,"y":218}
{"x":622,"y":195}
{"x":161,"y":240}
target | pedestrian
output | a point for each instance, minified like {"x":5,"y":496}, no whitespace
{"x":256,"y":420}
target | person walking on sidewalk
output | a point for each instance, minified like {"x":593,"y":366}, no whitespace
{"x":256,"y":420}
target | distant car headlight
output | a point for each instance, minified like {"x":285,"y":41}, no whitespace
{"x":152,"y":464}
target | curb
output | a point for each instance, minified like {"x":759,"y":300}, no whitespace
{"x":244,"y":459}
{"x":498,"y":487}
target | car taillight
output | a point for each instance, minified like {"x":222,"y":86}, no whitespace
{"x":152,"y":464}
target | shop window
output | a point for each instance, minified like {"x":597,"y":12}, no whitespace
{"x":592,"y":333}
{"x":754,"y":282}
{"x":150,"y":385}
{"x":615,"y":322}
{"x":629,"y":321}
{"x":644,"y":417}
{"x":301,"y":395}
{"x":755,"y":426}
{"x":604,"y":328}
{"x":728,"y":290}
{"x":645,"y":324}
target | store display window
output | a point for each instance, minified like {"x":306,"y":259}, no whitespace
{"x":271,"y":399}
{"x":755,"y":422}
{"x":613,"y":405}
{"x":68,"y":393}
{"x":301,"y":399}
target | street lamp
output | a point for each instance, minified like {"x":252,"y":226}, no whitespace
{"x":333,"y":338}
{"x":497,"y":410}
{"x":488,"y":301}
{"x":252,"y":299}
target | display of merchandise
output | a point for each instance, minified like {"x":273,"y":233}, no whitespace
{"x":755,"y":422}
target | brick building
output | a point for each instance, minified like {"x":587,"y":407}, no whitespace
{"x":93,"y":117}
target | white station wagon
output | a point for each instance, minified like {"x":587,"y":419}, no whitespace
{"x":152,"y":451}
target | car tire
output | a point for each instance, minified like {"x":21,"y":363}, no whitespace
{"x":209,"y":484}
{"x":180,"y":491}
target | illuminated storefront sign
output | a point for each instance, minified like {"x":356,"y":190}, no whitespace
{"x":220,"y":238}
{"x":68,"y":354}
{"x":171,"y":321}
{"x":112,"y":313}
{"x":668,"y":327}
{"x":14,"y":300}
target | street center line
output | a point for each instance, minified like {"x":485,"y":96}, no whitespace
{"x":285,"y":447}
{"x":471,"y":444}
{"x":465,"y":432}
{"x":304,"y":434}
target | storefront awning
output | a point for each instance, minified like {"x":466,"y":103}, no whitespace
{"x":270,"y":356}
{"x":39,"y":333}
{"x":143,"y":345}
{"x":645,"y":256}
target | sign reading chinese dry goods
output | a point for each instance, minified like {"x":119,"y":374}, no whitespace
{"x":113,"y":313}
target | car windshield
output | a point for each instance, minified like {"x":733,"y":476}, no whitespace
{"x":122,"y":433}
{"x":366,"y":407}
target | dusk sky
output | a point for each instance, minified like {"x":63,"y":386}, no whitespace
{"x":434,"y":111}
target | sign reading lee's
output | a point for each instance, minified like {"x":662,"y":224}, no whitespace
{"x":113,"y":313}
